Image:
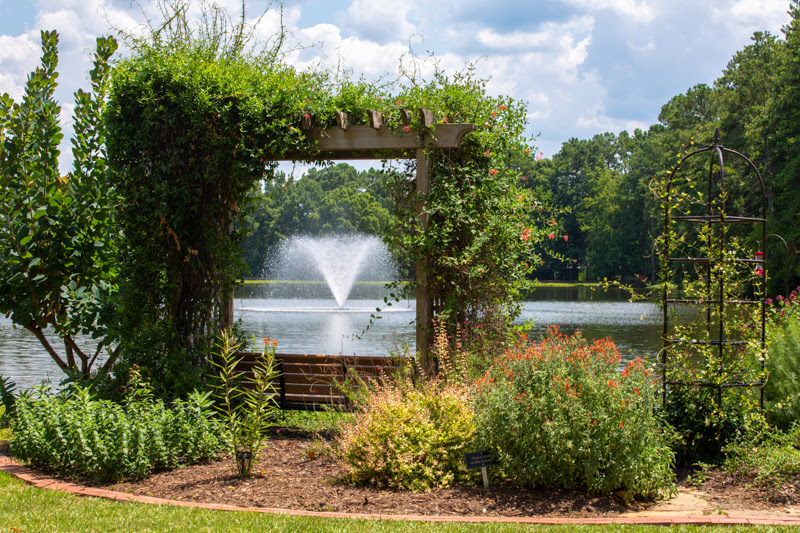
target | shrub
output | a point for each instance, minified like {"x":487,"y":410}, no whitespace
{"x":75,"y":434}
{"x":782,"y":392}
{"x":703,"y":427}
{"x":558,"y":413}
{"x":772,"y":460}
{"x":409,"y":439}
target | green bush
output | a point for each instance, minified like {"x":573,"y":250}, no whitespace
{"x":558,"y":413}
{"x":75,"y":434}
{"x":409,"y":439}
{"x":703,"y":427}
{"x":782,"y":392}
{"x":772,"y":459}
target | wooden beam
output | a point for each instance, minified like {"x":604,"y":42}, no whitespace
{"x":343,"y":120}
{"x":375,"y":119}
{"x":426,"y":117}
{"x":357,"y":138}
{"x":424,"y":300}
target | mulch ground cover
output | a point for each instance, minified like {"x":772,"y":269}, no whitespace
{"x":295,"y":472}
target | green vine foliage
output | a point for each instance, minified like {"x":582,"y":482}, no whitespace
{"x":58,"y":240}
{"x":484,"y":226}
{"x":194,"y":125}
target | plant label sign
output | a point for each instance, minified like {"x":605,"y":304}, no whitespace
{"x":481,"y":460}
{"x":244,"y":455}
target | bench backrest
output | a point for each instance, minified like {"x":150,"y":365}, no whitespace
{"x":308,"y":382}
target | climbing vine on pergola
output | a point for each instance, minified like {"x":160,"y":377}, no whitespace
{"x":189,"y":134}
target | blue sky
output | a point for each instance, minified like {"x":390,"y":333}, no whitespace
{"x":582,"y":66}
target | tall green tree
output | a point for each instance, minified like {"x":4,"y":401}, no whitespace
{"x":58,"y":239}
{"x":785,"y":111}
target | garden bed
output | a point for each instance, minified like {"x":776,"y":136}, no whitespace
{"x":293,"y":474}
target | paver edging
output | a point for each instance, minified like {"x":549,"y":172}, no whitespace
{"x":36,"y":479}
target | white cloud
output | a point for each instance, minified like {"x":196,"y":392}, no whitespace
{"x":379,"y":21}
{"x":748,"y":16}
{"x":18,"y":56}
{"x":513,"y":41}
{"x":637,"y":11}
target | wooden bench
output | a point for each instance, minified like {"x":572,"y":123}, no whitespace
{"x":308,"y":382}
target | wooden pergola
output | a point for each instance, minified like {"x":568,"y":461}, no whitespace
{"x":375,"y":141}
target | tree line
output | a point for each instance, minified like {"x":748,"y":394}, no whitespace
{"x":602,"y":184}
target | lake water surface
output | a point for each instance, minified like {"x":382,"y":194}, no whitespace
{"x":314,"y":324}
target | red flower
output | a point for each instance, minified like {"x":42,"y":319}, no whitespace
{"x":493,"y":172}
{"x":526,"y":234}
{"x":494,"y":114}
{"x":551,"y":236}
{"x":399,"y":102}
{"x":406,"y":129}
{"x":566,"y":237}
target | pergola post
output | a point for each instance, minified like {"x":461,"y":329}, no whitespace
{"x":424,"y":302}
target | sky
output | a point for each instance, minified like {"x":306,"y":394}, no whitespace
{"x":583,"y":67}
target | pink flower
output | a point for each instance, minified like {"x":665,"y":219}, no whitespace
{"x":759,"y":272}
{"x":306,"y":116}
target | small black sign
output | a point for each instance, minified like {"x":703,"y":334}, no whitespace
{"x":480,"y":459}
{"x":244,"y":455}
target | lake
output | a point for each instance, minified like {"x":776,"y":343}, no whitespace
{"x":314,"y":324}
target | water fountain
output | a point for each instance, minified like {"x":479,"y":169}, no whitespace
{"x":339,"y":260}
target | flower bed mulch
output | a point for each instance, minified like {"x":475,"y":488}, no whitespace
{"x":294,"y":474}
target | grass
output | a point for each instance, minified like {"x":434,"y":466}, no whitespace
{"x":24,"y":508}
{"x":313,"y":422}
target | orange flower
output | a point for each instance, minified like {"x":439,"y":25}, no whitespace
{"x":566,"y":238}
{"x":399,"y":102}
{"x":493,"y":172}
{"x":501,"y":107}
{"x":551,"y":236}
{"x":494,"y":114}
{"x":406,"y":129}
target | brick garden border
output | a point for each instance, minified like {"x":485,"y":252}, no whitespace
{"x":43,"y":481}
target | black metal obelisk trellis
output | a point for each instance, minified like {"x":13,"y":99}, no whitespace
{"x":705,"y":224}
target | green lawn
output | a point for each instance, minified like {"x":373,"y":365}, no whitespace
{"x":24,"y":508}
